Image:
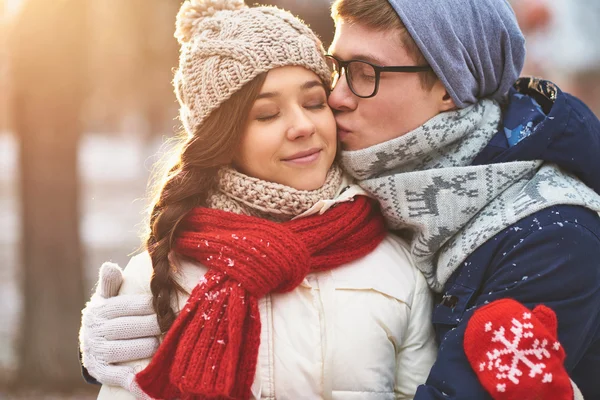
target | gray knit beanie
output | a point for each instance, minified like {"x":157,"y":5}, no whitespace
{"x":225,"y":44}
{"x":475,"y":47}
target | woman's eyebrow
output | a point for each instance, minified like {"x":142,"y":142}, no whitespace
{"x":311,"y":84}
{"x":267,"y":95}
{"x":305,"y":86}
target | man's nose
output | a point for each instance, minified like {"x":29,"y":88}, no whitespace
{"x":341,"y":97}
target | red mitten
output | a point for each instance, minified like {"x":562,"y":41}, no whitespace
{"x":515,"y":352}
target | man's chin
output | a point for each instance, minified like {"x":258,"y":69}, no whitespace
{"x":349,"y":145}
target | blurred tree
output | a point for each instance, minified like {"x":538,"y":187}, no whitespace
{"x":3,"y":69}
{"x":132,"y":51}
{"x":159,"y":55}
{"x":47,"y":50}
{"x":132,"y":54}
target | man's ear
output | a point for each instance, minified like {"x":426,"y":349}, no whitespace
{"x":445,"y":100}
{"x":447,"y":103}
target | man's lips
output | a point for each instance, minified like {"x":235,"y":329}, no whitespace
{"x":304,"y":157}
{"x":342,"y":132}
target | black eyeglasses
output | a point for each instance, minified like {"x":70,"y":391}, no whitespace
{"x":362,"y":76}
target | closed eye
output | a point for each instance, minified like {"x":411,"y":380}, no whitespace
{"x":367,"y":77}
{"x":319,"y":106}
{"x":267,"y":117}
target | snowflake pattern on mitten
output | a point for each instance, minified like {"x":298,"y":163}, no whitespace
{"x":515,"y":352}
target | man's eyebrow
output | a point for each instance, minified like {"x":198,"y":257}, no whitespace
{"x":305,"y":86}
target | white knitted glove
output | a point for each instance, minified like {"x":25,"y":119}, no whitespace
{"x":117,"y":329}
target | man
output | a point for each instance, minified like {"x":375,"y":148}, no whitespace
{"x":482,"y":175}
{"x":458,"y":173}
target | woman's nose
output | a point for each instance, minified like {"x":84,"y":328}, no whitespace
{"x":301,"y":125}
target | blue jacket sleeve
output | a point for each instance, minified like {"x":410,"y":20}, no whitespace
{"x":556,"y":264}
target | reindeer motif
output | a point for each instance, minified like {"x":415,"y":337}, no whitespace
{"x":531,"y":194}
{"x":428,"y":196}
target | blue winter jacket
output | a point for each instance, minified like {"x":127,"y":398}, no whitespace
{"x":551,"y":257}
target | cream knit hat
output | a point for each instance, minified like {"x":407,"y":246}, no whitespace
{"x":225,"y":44}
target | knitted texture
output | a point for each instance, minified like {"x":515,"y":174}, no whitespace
{"x":111,"y":278}
{"x":428,"y":189}
{"x":242,"y":194}
{"x":225,"y":45}
{"x":211,"y":350}
{"x":108,"y":316}
{"x":515,"y":352}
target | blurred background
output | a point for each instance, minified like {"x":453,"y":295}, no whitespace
{"x":85,"y":107}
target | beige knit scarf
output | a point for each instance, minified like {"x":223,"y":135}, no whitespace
{"x":243,"y":194}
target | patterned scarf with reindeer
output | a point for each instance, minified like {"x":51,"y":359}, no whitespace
{"x":430,"y":193}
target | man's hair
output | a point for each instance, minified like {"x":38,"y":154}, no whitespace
{"x":381,"y":16}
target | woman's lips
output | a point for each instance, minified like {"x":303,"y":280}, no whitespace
{"x":305,"y":157}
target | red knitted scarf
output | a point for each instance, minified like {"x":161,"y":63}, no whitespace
{"x":211,"y":350}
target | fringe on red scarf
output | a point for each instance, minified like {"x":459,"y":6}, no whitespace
{"x":211,"y":350}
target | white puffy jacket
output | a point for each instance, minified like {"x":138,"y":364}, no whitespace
{"x":360,"y":331}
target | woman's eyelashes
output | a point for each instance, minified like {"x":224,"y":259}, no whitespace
{"x":319,"y":106}
{"x":264,"y":118}
{"x":317,"y":102}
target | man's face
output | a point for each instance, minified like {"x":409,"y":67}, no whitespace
{"x":401,"y":104}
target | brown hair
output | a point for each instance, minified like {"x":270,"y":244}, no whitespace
{"x":380,"y":15}
{"x":186,"y":185}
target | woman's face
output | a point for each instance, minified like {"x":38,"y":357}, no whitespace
{"x":290,"y":134}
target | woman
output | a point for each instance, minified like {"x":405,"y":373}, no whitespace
{"x":272,"y":275}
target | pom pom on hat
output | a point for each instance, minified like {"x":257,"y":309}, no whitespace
{"x":193,"y":11}
{"x":225,"y":45}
